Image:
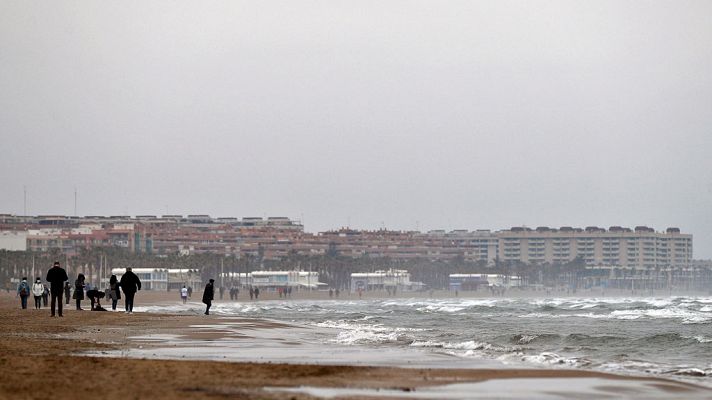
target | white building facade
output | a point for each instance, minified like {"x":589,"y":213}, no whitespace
{"x":641,"y":247}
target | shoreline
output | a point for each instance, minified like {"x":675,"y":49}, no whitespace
{"x":48,"y":352}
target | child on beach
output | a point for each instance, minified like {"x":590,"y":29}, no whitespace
{"x":67,"y":292}
{"x":45,"y":295}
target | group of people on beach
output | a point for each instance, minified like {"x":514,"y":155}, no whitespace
{"x":58,"y":280}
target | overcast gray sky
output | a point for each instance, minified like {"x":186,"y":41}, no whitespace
{"x":435,"y":114}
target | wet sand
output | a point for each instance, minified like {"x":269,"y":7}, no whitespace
{"x":37,"y":351}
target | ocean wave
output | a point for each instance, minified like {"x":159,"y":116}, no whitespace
{"x":534,"y":338}
{"x":549,"y":358}
{"x":359,"y":333}
{"x":684,"y":315}
{"x":702,"y":339}
{"x":371,"y":337}
{"x":687,"y":316}
{"x":470,"y":347}
{"x":691,"y":372}
{"x":439,"y":308}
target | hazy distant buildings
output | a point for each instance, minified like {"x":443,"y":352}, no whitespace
{"x":641,"y":247}
{"x":280,"y":238}
{"x":13,"y":240}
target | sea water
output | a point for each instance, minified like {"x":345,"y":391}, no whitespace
{"x":669,"y":337}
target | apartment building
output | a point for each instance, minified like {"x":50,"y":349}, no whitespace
{"x":641,"y":247}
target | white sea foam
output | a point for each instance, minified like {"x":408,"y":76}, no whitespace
{"x":633,"y":365}
{"x":544,"y":358}
{"x":702,"y":339}
{"x":685,"y":315}
{"x":527,"y":338}
{"x":359,"y":333}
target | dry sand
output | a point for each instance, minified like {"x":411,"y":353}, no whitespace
{"x":38,"y":356}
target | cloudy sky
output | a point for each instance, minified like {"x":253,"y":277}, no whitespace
{"x":403,"y":114}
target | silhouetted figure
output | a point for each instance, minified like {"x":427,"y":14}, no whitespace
{"x":95,"y":297}
{"x":114,"y":291}
{"x":67,"y":292}
{"x":222,"y":291}
{"x":190,"y":291}
{"x":257,"y":293}
{"x":79,"y":290}
{"x":252,"y":293}
{"x":56,"y":276}
{"x":208,"y":295}
{"x":45,"y":295}
{"x":130,"y":284}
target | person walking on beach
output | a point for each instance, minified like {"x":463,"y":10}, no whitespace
{"x":208,"y":295}
{"x":37,"y":292}
{"x":184,"y":294}
{"x":257,"y":293}
{"x":23,"y":290}
{"x":252,"y":292}
{"x":79,"y":291}
{"x":114,"y":292}
{"x":67,"y":292}
{"x":130,"y":284}
{"x":56,"y":276}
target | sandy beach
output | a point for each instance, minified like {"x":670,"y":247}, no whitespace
{"x":51,"y":354}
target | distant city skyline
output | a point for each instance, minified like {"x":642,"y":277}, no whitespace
{"x":266,"y":216}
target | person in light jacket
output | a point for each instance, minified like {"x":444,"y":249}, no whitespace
{"x":38,"y":291}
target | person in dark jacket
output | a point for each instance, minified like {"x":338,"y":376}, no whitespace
{"x":208,"y":296}
{"x":130,"y":284}
{"x":23,"y":290}
{"x":95,"y":297}
{"x":67,"y":292}
{"x":79,"y":291}
{"x":114,"y":292}
{"x":56,"y":276}
{"x":45,"y":295}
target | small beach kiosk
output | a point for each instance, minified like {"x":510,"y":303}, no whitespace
{"x":398,"y":279}
{"x":151,"y":278}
